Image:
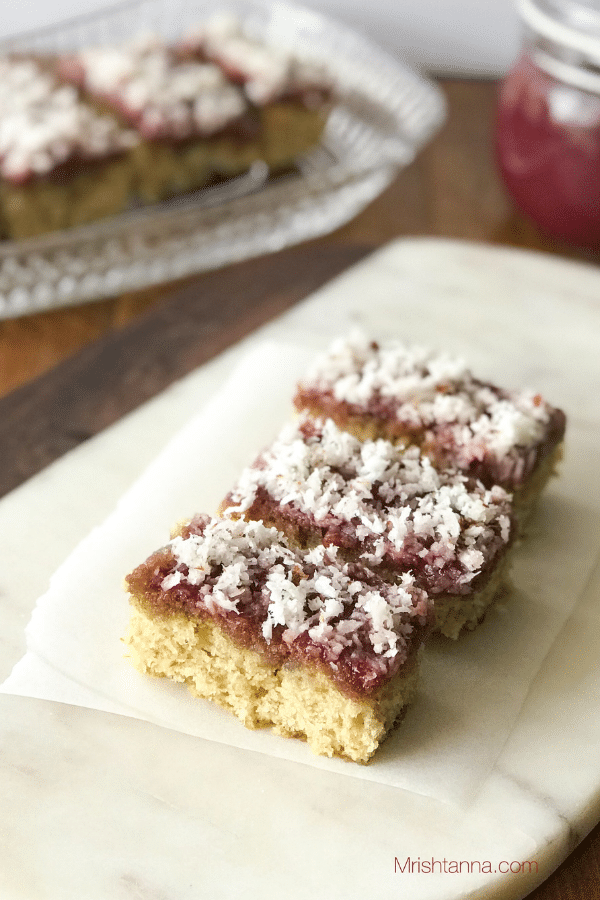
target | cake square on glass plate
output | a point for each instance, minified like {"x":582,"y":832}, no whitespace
{"x":93,"y":132}
{"x":213,"y":102}
{"x":292,"y":96}
{"x":62,"y":163}
{"x":191,"y":120}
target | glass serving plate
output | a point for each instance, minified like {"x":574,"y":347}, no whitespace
{"x":383,"y":114}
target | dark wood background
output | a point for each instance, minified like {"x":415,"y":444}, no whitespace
{"x":66,"y":375}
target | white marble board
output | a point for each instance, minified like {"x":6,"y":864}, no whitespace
{"x":97,"y":805}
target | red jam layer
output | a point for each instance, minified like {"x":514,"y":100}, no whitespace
{"x":392,"y":509}
{"x":350,"y":660}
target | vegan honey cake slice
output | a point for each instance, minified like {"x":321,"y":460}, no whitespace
{"x":412,"y":395}
{"x":388,"y":508}
{"x":192,"y":121}
{"x":311,"y":646}
{"x":62,"y":163}
{"x":291,"y":95}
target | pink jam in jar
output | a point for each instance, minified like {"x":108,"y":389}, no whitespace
{"x":548,"y":122}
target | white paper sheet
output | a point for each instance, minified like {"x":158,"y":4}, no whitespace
{"x":471,"y":691}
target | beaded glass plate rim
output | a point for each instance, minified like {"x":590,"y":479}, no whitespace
{"x":383,"y":114}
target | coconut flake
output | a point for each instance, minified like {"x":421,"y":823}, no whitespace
{"x":386,"y":498}
{"x":230,"y":562}
{"x":433,"y":392}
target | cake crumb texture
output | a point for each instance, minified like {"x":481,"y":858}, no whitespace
{"x":294,"y":701}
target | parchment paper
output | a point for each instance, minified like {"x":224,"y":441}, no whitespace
{"x":471,"y":691}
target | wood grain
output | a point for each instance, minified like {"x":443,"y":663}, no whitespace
{"x":111,"y":376}
{"x":578,"y":878}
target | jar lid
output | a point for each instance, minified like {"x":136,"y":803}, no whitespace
{"x":570,"y":33}
{"x":571,"y":24}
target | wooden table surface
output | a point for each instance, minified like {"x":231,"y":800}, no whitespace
{"x":65,"y":375}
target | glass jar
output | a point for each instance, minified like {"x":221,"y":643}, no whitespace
{"x":548,"y":122}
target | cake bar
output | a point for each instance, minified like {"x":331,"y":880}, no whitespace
{"x":191,"y":120}
{"x":213,"y":103}
{"x":292,"y":96}
{"x":411,"y":395}
{"x":61,"y":163}
{"x":89,"y":134}
{"x":305,"y":643}
{"x":389,"y":509}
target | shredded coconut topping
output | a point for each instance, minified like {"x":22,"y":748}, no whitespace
{"x":44,"y":123}
{"x":162,"y":96}
{"x":394,"y":507}
{"x":267,"y":73}
{"x":432,"y":392}
{"x":237,"y":568}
